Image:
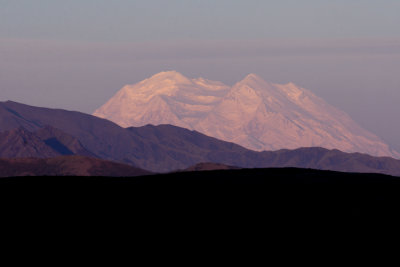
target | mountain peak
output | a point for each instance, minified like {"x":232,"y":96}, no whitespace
{"x":253,"y":79}
{"x":252,"y":113}
{"x":169,"y":75}
{"x":252,"y":76}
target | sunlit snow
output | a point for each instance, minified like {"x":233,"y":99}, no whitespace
{"x":253,"y":113}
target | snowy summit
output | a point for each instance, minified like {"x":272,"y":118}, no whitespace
{"x":253,"y":113}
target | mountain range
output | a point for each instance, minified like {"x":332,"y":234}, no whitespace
{"x":27,"y":131}
{"x":252,"y":113}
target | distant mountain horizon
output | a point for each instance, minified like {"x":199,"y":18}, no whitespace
{"x":252,"y":113}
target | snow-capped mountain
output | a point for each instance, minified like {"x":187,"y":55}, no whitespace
{"x":253,"y":113}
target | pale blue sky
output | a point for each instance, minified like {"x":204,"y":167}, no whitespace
{"x":76,"y":54}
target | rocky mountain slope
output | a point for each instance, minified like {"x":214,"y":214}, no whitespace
{"x":253,"y":113}
{"x":45,"y":142}
{"x":26,"y":130}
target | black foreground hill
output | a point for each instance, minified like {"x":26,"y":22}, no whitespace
{"x":27,"y":131}
{"x":255,"y":196}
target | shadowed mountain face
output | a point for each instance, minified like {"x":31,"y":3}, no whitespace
{"x":43,"y":143}
{"x":66,"y":166}
{"x":160,"y":148}
{"x":19,"y":143}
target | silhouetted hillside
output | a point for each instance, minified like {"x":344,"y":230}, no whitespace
{"x":259,"y":195}
{"x":65,"y":166}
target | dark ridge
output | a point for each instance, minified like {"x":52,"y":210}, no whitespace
{"x":263,"y":176}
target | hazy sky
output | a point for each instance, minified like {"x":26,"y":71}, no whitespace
{"x":77,"y":54}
